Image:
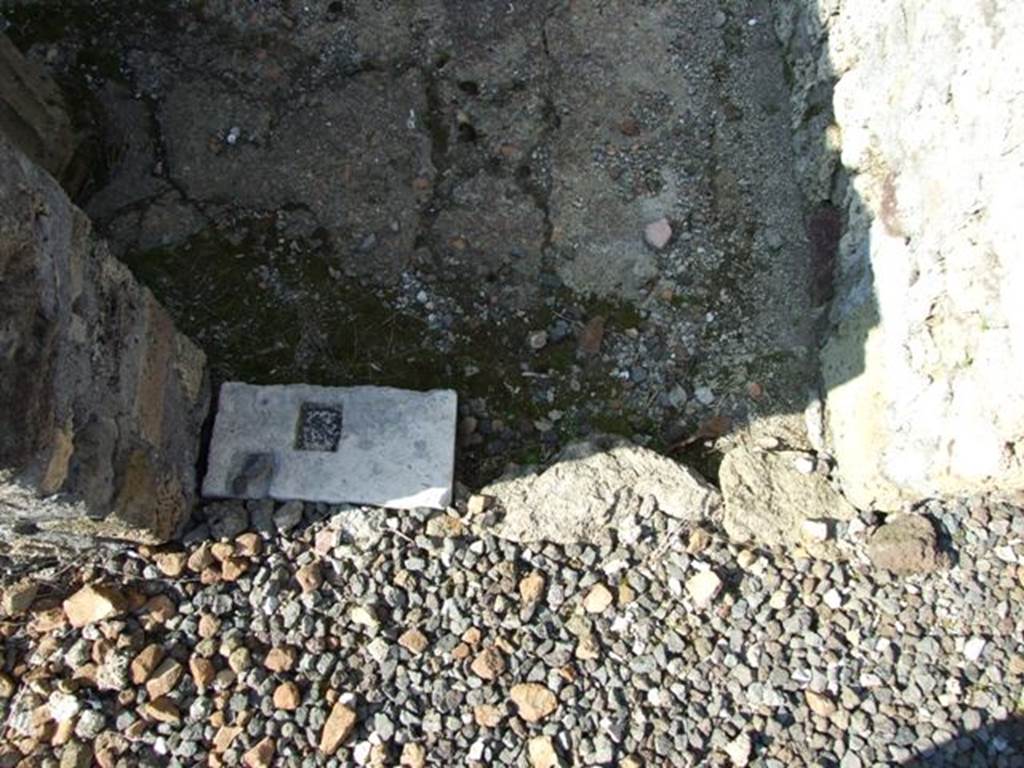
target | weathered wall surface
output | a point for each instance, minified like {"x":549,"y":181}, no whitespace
{"x":101,"y":400}
{"x":32,"y":113}
{"x":921,"y":143}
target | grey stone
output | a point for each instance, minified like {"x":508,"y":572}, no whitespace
{"x":288,"y":515}
{"x":593,"y":485}
{"x":370,"y":445}
{"x":767,"y":498}
{"x":101,"y":400}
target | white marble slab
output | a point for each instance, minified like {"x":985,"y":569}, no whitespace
{"x":361,"y":445}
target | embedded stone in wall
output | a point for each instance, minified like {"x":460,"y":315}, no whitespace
{"x":367,"y":445}
{"x":101,"y":400}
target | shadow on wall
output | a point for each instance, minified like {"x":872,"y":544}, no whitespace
{"x":985,"y":747}
{"x":842,"y":279}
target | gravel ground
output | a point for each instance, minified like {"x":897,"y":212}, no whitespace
{"x":346,"y":636}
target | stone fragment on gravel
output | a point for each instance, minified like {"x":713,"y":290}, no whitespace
{"x":591,"y":486}
{"x":598,"y":599}
{"x":18,"y":597}
{"x":224,"y":736}
{"x":261,"y":755}
{"x":201,"y":558}
{"x":703,"y":587}
{"x":338,"y":727}
{"x":973,"y":648}
{"x":478,"y":504}
{"x":739,"y":750}
{"x":413,"y":756}
{"x":170,"y":564}
{"x":288,"y":515}
{"x":203,"y":672}
{"x":309,"y":577}
{"x":541,"y":753}
{"x":413,"y":641}
{"x":531,"y":587}
{"x":233,"y":568}
{"x":287,"y":696}
{"x":906,"y":544}
{"x":587,"y":649}
{"x":364,"y":616}
{"x":533,"y":701}
{"x":162,"y":710}
{"x":92,"y":603}
{"x":487,"y":715}
{"x":164,"y":678}
{"x":820,"y":704}
{"x":280,"y":659}
{"x":488,"y":664}
{"x":815,"y":531}
{"x":445,"y":526}
{"x":698,"y":541}
{"x":209,"y":625}
{"x":766,"y":498}
{"x":76,"y":754}
{"x":658,"y":233}
{"x":249,"y":544}
{"x":145,"y":662}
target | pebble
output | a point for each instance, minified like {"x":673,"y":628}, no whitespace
{"x":538,"y":340}
{"x":703,"y":588}
{"x":280,"y":659}
{"x":820,"y":704}
{"x":164,"y":678}
{"x":704,"y":395}
{"x":93,"y":603}
{"x":541,"y":753}
{"x":658,"y":233}
{"x":337,"y":728}
{"x":533,"y":701}
{"x":531,"y":587}
{"x":488,"y":664}
{"x":288,"y":515}
{"x":973,"y":648}
{"x":261,"y":755}
{"x":145,"y":662}
{"x":739,"y":750}
{"x":309,"y":577}
{"x":287,"y":696}
{"x":413,"y":641}
{"x":17,"y":598}
{"x":591,"y":336}
{"x":474,"y":646}
{"x":413,"y":756}
{"x":598,"y":599}
{"x":815,"y":530}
